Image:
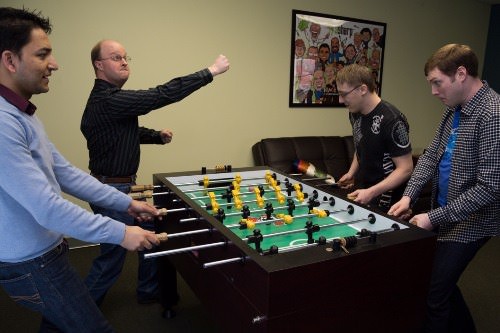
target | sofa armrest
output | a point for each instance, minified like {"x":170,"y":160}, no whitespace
{"x":258,"y":158}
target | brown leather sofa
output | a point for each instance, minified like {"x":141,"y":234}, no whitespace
{"x":331,"y":154}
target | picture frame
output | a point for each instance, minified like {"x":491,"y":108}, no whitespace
{"x":345,"y":40}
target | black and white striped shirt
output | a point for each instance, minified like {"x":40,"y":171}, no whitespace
{"x":110,"y":121}
{"x":473,"y":208}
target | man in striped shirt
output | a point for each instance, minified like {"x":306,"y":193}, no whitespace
{"x":110,"y":125}
{"x":463,"y":162}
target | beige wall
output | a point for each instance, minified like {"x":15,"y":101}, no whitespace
{"x":219,"y":124}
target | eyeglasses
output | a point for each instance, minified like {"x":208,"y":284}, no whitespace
{"x":117,"y":58}
{"x":344,"y":94}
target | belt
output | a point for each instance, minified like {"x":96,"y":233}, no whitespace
{"x":118,"y":179}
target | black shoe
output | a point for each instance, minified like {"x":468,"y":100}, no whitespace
{"x":168,"y":313}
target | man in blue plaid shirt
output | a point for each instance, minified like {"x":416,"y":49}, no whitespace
{"x":463,"y":162}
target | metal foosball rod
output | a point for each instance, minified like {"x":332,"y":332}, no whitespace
{"x":222,"y":188}
{"x":175,"y":210}
{"x":383,"y":231}
{"x":263,"y":210}
{"x":281,"y":233}
{"x":185,"y":249}
{"x":260,"y":199}
{"x":371,"y":218}
{"x":165,"y":211}
{"x":225,"y":261}
{"x":206,"y":181}
{"x":238,"y":225}
{"x":188,"y":233}
{"x":192,"y":219}
{"x":230,"y":226}
{"x":205,"y":189}
{"x":220,"y":195}
{"x":349,"y":209}
{"x":288,"y":219}
{"x":207,"y":206}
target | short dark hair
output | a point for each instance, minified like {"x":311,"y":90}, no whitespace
{"x":356,"y":75}
{"x":16,"y":26}
{"x":451,"y":56}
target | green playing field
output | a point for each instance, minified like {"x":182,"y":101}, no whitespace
{"x":274,"y":230}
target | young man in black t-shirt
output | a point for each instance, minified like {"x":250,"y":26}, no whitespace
{"x":382,"y":163}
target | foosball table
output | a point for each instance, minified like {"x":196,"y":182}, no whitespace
{"x":268,"y":252}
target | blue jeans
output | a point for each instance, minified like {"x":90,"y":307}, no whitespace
{"x":50,"y":286}
{"x":106,"y":268}
{"x":446,"y":307}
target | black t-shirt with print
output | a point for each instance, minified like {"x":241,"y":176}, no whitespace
{"x":379,"y":136}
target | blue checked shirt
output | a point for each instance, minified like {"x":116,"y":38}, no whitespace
{"x":473,"y":202}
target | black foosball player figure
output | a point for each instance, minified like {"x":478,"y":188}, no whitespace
{"x":310,"y":229}
{"x":363,"y":233}
{"x":289,"y":188}
{"x":245,"y":212}
{"x":220,"y":215}
{"x":228,"y":196}
{"x":261,"y":190}
{"x":291,"y":206}
{"x":312,"y":202}
{"x":273,"y":249}
{"x":321,"y":240}
{"x":269,"y":210}
{"x":256,"y":239}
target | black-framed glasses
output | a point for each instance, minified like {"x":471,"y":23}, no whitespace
{"x":344,"y":94}
{"x":117,"y":58}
